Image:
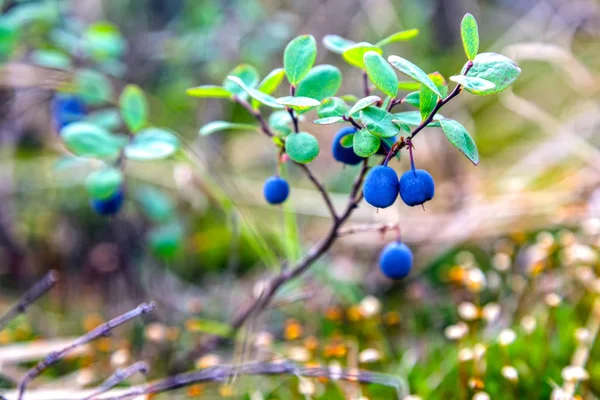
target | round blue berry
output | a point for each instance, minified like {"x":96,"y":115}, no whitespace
{"x":276,"y":190}
{"x":416,"y":187}
{"x":396,"y":260}
{"x":343,"y":154}
{"x":66,"y":109}
{"x":381,"y":187}
{"x":110,"y":205}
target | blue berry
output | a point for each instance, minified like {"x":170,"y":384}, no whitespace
{"x":343,"y":154}
{"x":396,"y":260}
{"x":416,"y":187}
{"x":67,"y":109}
{"x":276,"y":190}
{"x":110,"y":205}
{"x":381,"y":187}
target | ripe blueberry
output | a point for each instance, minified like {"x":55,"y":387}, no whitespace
{"x":343,"y":154}
{"x":67,"y":109}
{"x":110,"y":205}
{"x":276,"y":190}
{"x":381,"y":187}
{"x":396,"y":260}
{"x":416,"y":187}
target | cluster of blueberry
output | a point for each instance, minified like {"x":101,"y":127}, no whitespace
{"x":69,"y":108}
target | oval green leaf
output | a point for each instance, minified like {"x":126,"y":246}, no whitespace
{"x":103,"y":183}
{"x":337,"y":44}
{"x":496,"y":68}
{"x":472,"y":84}
{"x":217,"y":126}
{"x":413,"y":118}
{"x":134,"y":107}
{"x":88,"y":140}
{"x":379,"y":122}
{"x":399,"y":37}
{"x":302,"y":147}
{"x":412,"y":99}
{"x":269,"y":84}
{"x":208,"y":91}
{"x":245,"y":73}
{"x":332,"y":107}
{"x":299,"y":57}
{"x":460,"y":138}
{"x":322,"y":81}
{"x":381,"y":73}
{"x":259,"y":96}
{"x":155,"y":203}
{"x":355,"y":55}
{"x":469,"y":35}
{"x":327,"y":121}
{"x":427,"y":99}
{"x":93,"y":87}
{"x":152,"y":144}
{"x":363,"y":103}
{"x":365,"y":144}
{"x":298,"y":103}
{"x":410,"y":69}
{"x":109,"y":119}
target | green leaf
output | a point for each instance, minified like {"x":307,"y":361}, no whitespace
{"x":261,"y":97}
{"x":365,"y":144}
{"x":104,"y":41}
{"x":410,"y":69}
{"x":427,"y":98}
{"x":496,"y":68}
{"x":299,"y":57}
{"x":109,"y":119}
{"x":8,"y":39}
{"x":87,"y":140}
{"x":217,"y":126}
{"x":322,"y":81}
{"x":363,"y":103}
{"x":469,"y":35}
{"x":472,"y":84}
{"x":327,"y":121}
{"x":398,"y":37}
{"x":93,"y":87}
{"x":269,"y":84}
{"x":337,"y":44}
{"x":103,"y":183}
{"x":412,"y":99}
{"x":281,"y":122}
{"x":247,"y":74}
{"x":302,"y":147}
{"x":166,"y":241}
{"x":355,"y":55}
{"x":47,"y":58}
{"x":349,"y":98}
{"x":134,"y":107}
{"x":298,"y":103}
{"x":347,"y":141}
{"x":460,"y":138}
{"x":413,"y":118}
{"x":381,"y":73}
{"x":379,"y":122}
{"x":209,"y":91}
{"x":332,"y":107}
{"x":152,"y":144}
{"x":409,"y":85}
{"x":155,"y":203}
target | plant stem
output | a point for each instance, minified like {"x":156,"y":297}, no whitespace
{"x":366,"y":87}
{"x":119,"y":376}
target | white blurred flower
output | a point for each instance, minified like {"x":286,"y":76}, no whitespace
{"x":552,"y":300}
{"x":468,"y":311}
{"x":306,"y":387}
{"x":501,"y":262}
{"x":591,"y":226}
{"x":475,"y":280}
{"x":479,"y":351}
{"x":207,"y":361}
{"x":491,"y":312}
{"x":574,"y":373}
{"x":465,"y":354}
{"x":510,"y":373}
{"x":120,"y":358}
{"x":263,"y":339}
{"x":369,"y":356}
{"x":369,"y":306}
{"x":85,"y":376}
{"x":412,"y":397}
{"x":335,"y":370}
{"x":481,"y":396}
{"x":156,"y":332}
{"x":545,"y":239}
{"x":566,"y":237}
{"x":456,"y":332}
{"x":506,"y":337}
{"x":582,"y":335}
{"x":299,"y":354}
{"x":528,"y":323}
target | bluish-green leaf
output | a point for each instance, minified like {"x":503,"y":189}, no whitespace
{"x":134,"y":107}
{"x":379,"y":122}
{"x":469,"y":35}
{"x":363,"y":103}
{"x":412,"y":99}
{"x":355,"y":55}
{"x":337,"y":44}
{"x":104,"y":41}
{"x":93,"y":87}
{"x":8,"y":39}
{"x":47,"y":58}
{"x":103,"y":183}
{"x":166,"y":241}
{"x":365,"y":144}
{"x":399,"y":37}
{"x":216,"y":126}
{"x":302,"y":147}
{"x":299,"y":57}
{"x":109,"y":119}
{"x":156,"y":205}
{"x":410,"y":69}
{"x":328,"y":120}
{"x":322,"y":81}
{"x":413,"y":118}
{"x":261,"y":97}
{"x":269,"y":84}
{"x":332,"y":107}
{"x":381,"y":73}
{"x":298,"y":103}
{"x":460,"y":138}
{"x":152,"y":144}
{"x":245,"y":73}
{"x":496,"y":68}
{"x":427,"y":98}
{"x":472,"y":84}
{"x":88,"y":140}
{"x":347,"y":141}
{"x":208,"y":91}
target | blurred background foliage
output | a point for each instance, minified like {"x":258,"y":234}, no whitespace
{"x":518,"y":234}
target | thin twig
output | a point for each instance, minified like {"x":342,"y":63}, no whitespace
{"x":119,"y":376}
{"x":382,"y":228}
{"x":321,"y":189}
{"x":366,"y":87}
{"x":222,"y":372}
{"x":36,"y":291}
{"x":101,"y":331}
{"x":353,"y":122}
